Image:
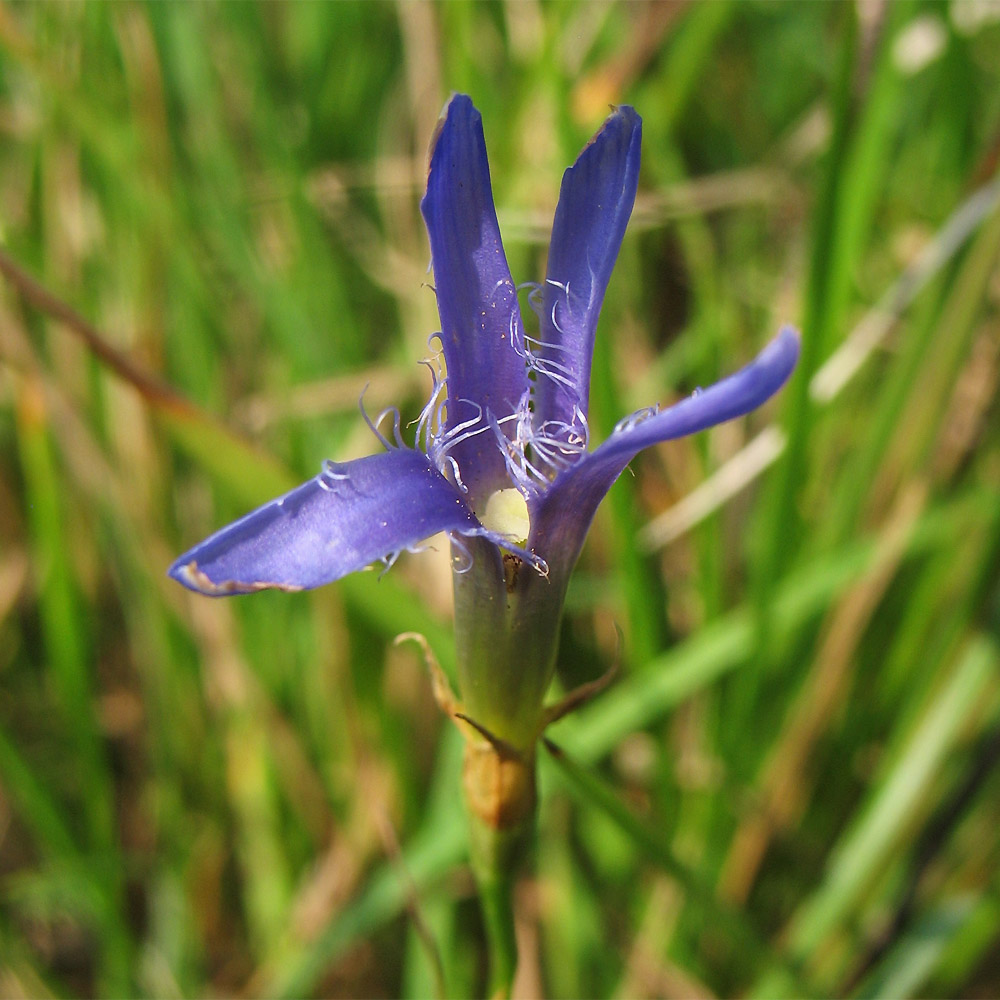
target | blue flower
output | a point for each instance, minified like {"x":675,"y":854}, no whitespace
{"x":503,"y":464}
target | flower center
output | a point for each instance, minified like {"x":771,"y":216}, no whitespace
{"x":506,"y":514}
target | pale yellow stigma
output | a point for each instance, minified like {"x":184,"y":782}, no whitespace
{"x":507,"y":514}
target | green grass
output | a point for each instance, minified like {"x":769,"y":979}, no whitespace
{"x":792,"y":788}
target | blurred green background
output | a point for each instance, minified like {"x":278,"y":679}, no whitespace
{"x":792,"y":789}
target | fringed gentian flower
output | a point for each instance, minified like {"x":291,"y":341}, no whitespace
{"x":504,"y":463}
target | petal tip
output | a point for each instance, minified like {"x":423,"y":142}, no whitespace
{"x":189,"y":574}
{"x":627,"y":113}
{"x":620,"y":136}
{"x":457,"y":106}
{"x":784,"y":350}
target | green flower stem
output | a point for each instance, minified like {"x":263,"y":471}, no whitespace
{"x":506,"y":637}
{"x":501,"y":802}
{"x":498,"y":917}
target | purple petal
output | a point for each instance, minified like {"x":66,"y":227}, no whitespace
{"x":480,"y":320}
{"x":340,"y":521}
{"x":561,"y":516}
{"x":595,"y":203}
